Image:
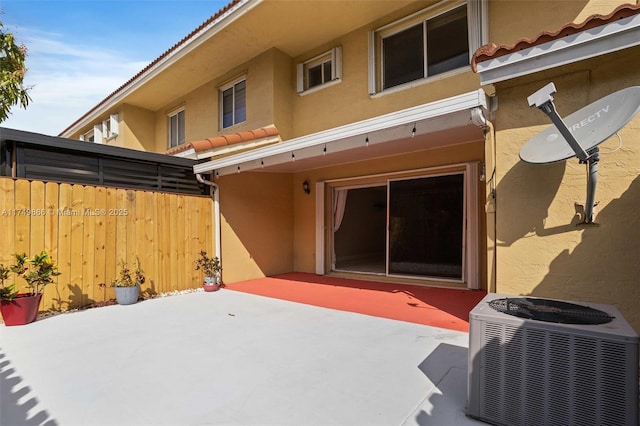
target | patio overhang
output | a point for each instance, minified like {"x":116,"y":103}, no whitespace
{"x":450,"y":121}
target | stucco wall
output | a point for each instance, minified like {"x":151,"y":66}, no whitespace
{"x":137,"y":126}
{"x":513,"y":20}
{"x":541,"y":249}
{"x":267,"y":98}
{"x":257,"y":231}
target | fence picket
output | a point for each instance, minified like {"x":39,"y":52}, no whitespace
{"x":36,"y":216}
{"x":100,"y":232}
{"x":89,"y":285}
{"x":22,"y":222}
{"x":7,"y":220}
{"x":62,"y":300}
{"x":51,"y":239}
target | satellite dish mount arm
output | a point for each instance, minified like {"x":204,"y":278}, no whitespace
{"x":543,"y":100}
{"x":592,"y":181}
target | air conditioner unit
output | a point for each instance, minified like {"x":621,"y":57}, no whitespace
{"x":557,"y":370}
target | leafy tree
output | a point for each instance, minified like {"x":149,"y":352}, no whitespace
{"x":12,"y":71}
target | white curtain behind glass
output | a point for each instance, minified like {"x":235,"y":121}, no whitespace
{"x":338,"y":205}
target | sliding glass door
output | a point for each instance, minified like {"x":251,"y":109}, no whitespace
{"x":426,"y":218}
{"x":359,"y":239}
{"x":403,"y":227}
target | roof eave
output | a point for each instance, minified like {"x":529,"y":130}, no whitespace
{"x":608,"y":38}
{"x":162,"y":63}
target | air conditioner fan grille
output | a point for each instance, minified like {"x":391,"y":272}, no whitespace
{"x":550,"y":311}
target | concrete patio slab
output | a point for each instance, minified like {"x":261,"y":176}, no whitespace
{"x":230,"y":358}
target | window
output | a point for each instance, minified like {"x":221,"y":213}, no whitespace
{"x":102,"y":132}
{"x":233,"y":104}
{"x":176,"y":128}
{"x":320,"y":71}
{"x":431,"y":42}
{"x":110,"y":127}
{"x":87,"y":137}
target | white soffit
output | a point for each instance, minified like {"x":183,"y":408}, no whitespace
{"x":621,"y":34}
{"x":169,"y":58}
{"x":452,"y":120}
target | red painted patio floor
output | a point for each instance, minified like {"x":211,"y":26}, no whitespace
{"x":437,"y":307}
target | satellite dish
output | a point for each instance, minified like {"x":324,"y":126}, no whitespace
{"x":590,"y":126}
{"x":587,"y":128}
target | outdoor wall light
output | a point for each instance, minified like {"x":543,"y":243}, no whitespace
{"x":306,"y":188}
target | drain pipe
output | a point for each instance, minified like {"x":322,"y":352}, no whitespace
{"x":216,"y":213}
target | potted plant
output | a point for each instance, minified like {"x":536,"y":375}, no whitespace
{"x":38,"y":271}
{"x":212,"y":269}
{"x":127,"y":285}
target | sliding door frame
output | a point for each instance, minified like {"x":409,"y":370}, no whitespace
{"x":471,"y":238}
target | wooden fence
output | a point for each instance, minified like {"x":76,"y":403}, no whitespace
{"x":89,"y":229}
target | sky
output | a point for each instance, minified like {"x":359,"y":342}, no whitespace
{"x":80,"y":51}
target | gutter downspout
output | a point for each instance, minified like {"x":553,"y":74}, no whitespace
{"x":216,"y":214}
{"x":480,"y":119}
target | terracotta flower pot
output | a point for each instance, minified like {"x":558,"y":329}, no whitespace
{"x":21,"y":310}
{"x":211,"y":283}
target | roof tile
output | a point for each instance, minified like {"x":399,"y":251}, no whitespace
{"x":491,"y":51}
{"x":225,"y":140}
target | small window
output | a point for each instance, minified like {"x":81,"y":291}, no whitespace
{"x":233,"y":104}
{"x":320,"y":70}
{"x":110,"y":127}
{"x":105,"y":131}
{"x":428,"y":43}
{"x":87,"y":137}
{"x":176,"y":128}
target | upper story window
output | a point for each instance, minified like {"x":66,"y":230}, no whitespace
{"x":320,"y":71}
{"x":88,"y":137}
{"x":233,"y":103}
{"x":110,"y":127}
{"x":102,"y":132}
{"x":176,"y":128}
{"x":431,"y":42}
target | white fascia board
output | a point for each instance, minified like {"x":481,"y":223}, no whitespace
{"x":608,"y":38}
{"x":189,"y":153}
{"x":466,"y":101}
{"x":196,"y":40}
